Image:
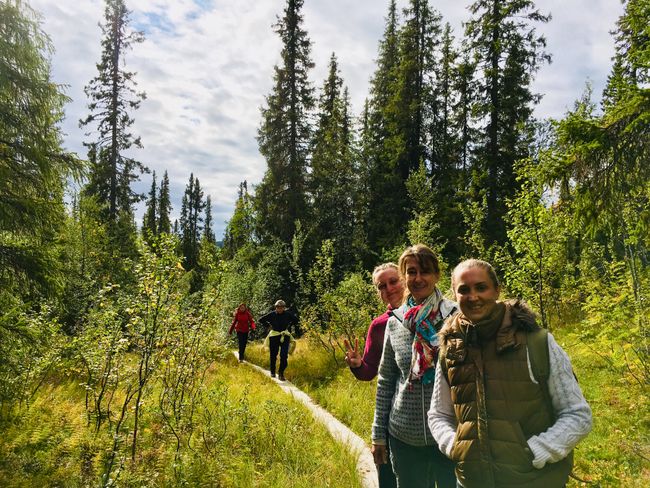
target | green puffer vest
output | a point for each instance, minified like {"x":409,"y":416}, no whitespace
{"x":498,"y":406}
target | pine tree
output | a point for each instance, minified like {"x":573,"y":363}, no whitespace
{"x":239,"y":230}
{"x":285,"y":133}
{"x":190,"y":223}
{"x":208,"y":232}
{"x":112,"y":97}
{"x":418,"y":42}
{"x":463,"y":87}
{"x":509,"y":52}
{"x":33,"y":165}
{"x":149,"y":221}
{"x":384,"y":214}
{"x":164,"y":207}
{"x":444,"y":188}
{"x":333,"y":176}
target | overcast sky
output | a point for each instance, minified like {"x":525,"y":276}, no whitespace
{"x":206,"y":66}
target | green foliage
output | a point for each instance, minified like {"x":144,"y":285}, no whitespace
{"x":33,"y":165}
{"x":333,"y":181}
{"x":191,"y":222}
{"x":246,"y":435}
{"x":540,"y":236}
{"x":613,"y":325}
{"x":239,"y":230}
{"x":508,"y":52}
{"x":31,"y":346}
{"x":341,"y":311}
{"x":112,"y":96}
{"x":285,"y":133}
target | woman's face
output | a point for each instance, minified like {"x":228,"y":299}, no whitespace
{"x":390,"y":287}
{"x":476,"y":293}
{"x":242,"y":308}
{"x":420,"y":283}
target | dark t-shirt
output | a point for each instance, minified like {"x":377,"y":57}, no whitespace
{"x":280,"y":321}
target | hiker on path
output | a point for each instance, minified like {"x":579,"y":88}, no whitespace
{"x":405,"y":378}
{"x":518,"y":429}
{"x":279,"y":339}
{"x":243,"y":323}
{"x":390,"y":287}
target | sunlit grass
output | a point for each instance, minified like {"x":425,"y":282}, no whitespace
{"x":247,"y":433}
{"x":330,"y":384}
{"x":617,"y":451}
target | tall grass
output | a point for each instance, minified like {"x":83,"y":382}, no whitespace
{"x":333,"y":386}
{"x":247,"y":433}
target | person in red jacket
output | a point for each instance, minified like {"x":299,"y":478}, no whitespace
{"x":243,"y":323}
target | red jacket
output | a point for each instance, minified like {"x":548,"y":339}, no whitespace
{"x":242,"y":321}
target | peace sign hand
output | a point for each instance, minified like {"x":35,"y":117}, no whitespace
{"x":352,"y":356}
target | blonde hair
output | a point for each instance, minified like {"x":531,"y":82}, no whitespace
{"x":423,"y":255}
{"x":382,"y":267}
{"x":474,"y":263}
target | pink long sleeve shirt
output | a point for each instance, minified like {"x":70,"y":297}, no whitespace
{"x":373,"y":349}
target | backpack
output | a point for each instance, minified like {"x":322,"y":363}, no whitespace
{"x":540,"y":363}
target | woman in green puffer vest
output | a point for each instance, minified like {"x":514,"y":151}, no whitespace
{"x":489,"y":414}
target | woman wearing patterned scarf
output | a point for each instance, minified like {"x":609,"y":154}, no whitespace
{"x":405,"y":378}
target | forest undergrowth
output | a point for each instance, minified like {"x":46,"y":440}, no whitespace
{"x":247,"y":433}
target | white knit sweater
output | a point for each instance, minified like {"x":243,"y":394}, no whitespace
{"x":571,"y":409}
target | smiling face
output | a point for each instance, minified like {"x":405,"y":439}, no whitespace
{"x":420,"y":282}
{"x":475,"y":292}
{"x":390,"y":287}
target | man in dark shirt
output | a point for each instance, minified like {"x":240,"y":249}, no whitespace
{"x":280,"y":322}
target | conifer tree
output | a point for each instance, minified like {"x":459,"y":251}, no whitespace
{"x":33,"y":165}
{"x":239,"y":230}
{"x":208,"y":231}
{"x":509,"y":52}
{"x":112,"y":97}
{"x":384,"y":213}
{"x":333,"y":176}
{"x":149,"y":220}
{"x":418,"y":42}
{"x":190,"y":222}
{"x":445,"y":189}
{"x":285,"y":133}
{"x":164,"y":207}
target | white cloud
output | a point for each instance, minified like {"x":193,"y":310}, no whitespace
{"x":206,"y":66}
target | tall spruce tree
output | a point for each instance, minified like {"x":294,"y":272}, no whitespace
{"x":33,"y":165}
{"x":164,"y":207}
{"x":150,"y":220}
{"x":208,"y":231}
{"x":285,"y":133}
{"x":113,"y":97}
{"x":333,"y":176}
{"x":418,"y":42}
{"x":190,"y":222}
{"x":384,"y":213}
{"x":509,"y":52}
{"x":239,"y":230}
{"x":462,"y":123}
{"x":445,"y":185}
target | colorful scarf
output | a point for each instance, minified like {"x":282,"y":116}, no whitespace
{"x":424,"y":321}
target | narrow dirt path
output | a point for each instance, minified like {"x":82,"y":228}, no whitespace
{"x":340,"y":432}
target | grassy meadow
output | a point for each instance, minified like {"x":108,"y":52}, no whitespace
{"x":246,"y":433}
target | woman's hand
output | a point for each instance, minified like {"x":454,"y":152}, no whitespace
{"x":352,"y":356}
{"x":379,"y":453}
